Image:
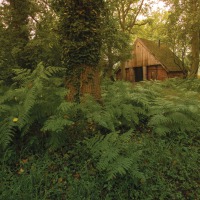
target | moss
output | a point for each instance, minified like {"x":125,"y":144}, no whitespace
{"x":168,"y":59}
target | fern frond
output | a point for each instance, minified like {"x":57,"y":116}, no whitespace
{"x":6,"y":133}
{"x":4,"y":108}
{"x":22,"y":75}
{"x":65,"y":106}
{"x":54,"y":70}
{"x":56,"y":124}
{"x":115,"y":154}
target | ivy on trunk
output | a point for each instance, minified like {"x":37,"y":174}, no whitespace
{"x":80,"y":23}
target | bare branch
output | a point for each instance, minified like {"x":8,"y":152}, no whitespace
{"x":136,"y":15}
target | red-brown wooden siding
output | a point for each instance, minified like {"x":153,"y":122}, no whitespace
{"x":141,"y":57}
{"x":156,"y":73}
{"x":152,"y":68}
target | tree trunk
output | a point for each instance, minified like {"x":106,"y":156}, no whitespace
{"x":80,"y":30}
{"x":19,"y":31}
{"x":195,"y":55}
{"x":90,"y":82}
{"x":195,"y":44}
{"x":123,"y":70}
{"x":109,"y":69}
{"x":82,"y":83}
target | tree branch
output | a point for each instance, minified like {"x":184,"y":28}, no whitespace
{"x":136,"y":15}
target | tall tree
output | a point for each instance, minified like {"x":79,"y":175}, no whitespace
{"x":28,"y":35}
{"x":15,"y":32}
{"x":80,"y":24}
{"x":184,"y":20}
{"x":156,"y":28}
{"x":44,"y":44}
{"x":116,"y":45}
{"x":18,"y":29}
{"x":127,"y":13}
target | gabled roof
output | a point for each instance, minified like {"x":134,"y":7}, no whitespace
{"x":164,"y":55}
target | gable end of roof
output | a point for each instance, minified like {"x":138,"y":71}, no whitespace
{"x":164,"y":55}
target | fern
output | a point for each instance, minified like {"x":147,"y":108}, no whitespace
{"x":115,"y":155}
{"x":6,"y":131}
{"x":28,"y":100}
{"x":122,"y":107}
{"x":168,"y":107}
{"x":57,"y":123}
{"x":175,"y":112}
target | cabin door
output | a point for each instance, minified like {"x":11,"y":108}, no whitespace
{"x":138,"y":74}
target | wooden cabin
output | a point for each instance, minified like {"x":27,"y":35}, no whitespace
{"x":151,"y":61}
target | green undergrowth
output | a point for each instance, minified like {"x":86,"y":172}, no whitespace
{"x":111,"y":167}
{"x":141,"y":142}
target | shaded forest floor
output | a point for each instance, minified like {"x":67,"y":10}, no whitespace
{"x":141,"y":143}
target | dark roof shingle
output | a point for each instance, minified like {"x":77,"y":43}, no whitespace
{"x":164,"y":55}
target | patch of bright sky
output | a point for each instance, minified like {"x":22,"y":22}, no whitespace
{"x":156,"y":6}
{"x":159,"y":5}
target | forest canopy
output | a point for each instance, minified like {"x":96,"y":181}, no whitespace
{"x":34,"y":31}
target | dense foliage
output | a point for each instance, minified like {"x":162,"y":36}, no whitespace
{"x":28,"y":36}
{"x":184,"y":16}
{"x":63,"y":135}
{"x":141,"y":142}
